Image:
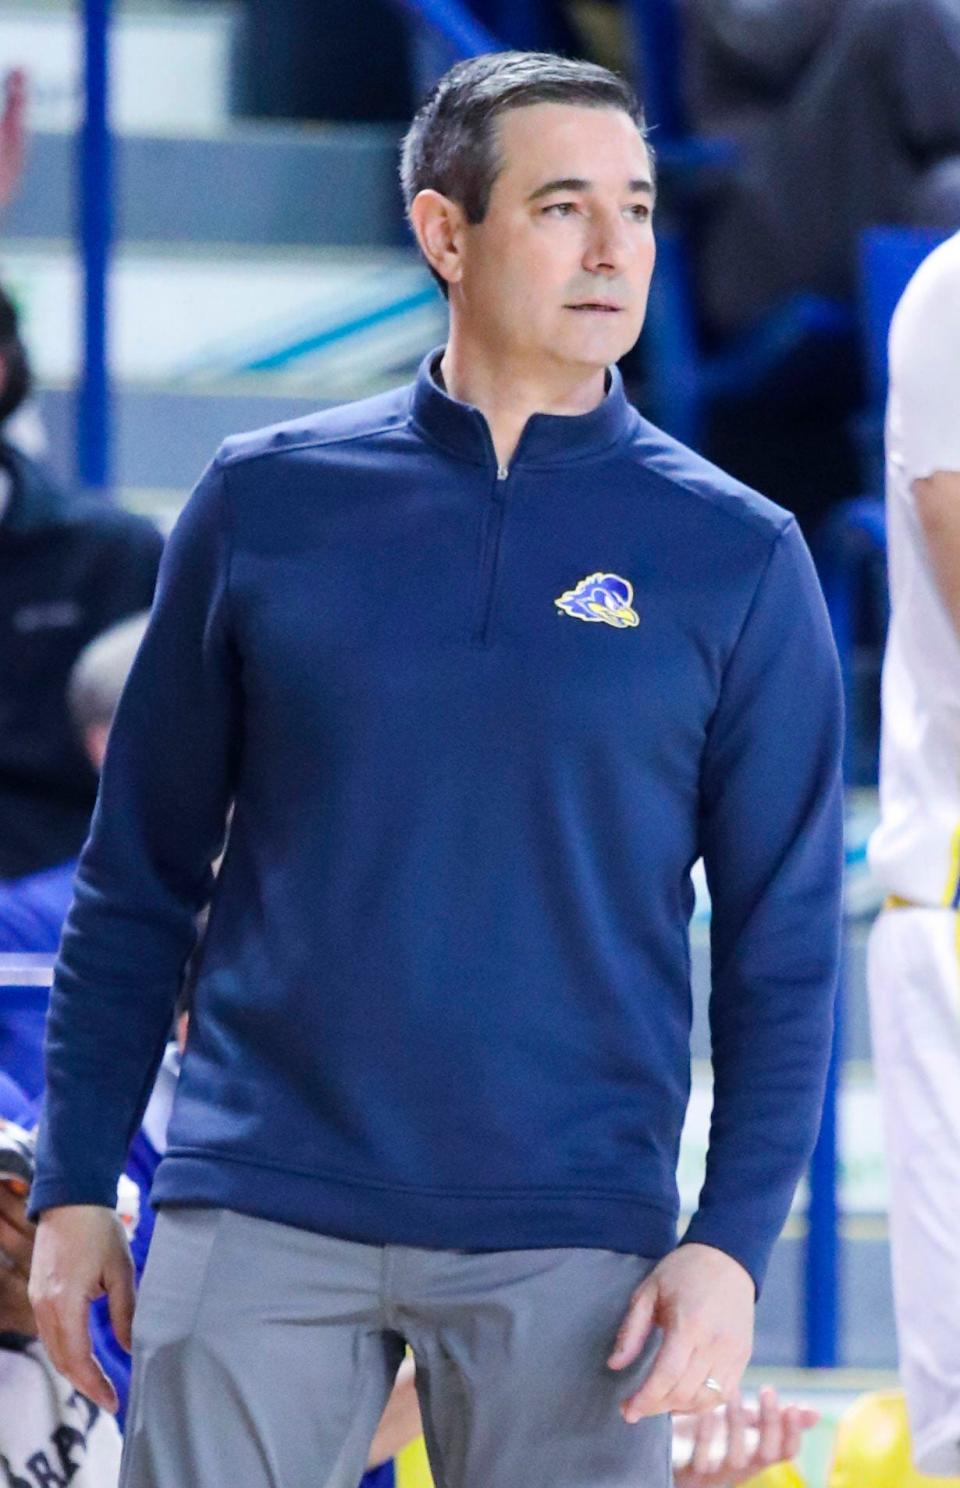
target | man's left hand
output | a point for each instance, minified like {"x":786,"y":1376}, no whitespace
{"x":703,"y":1301}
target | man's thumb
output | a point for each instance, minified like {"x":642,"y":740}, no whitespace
{"x":121,"y":1299}
{"x":635,"y":1326}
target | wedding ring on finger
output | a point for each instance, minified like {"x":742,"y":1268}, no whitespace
{"x":713,"y":1384}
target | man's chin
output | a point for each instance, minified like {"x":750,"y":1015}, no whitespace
{"x":596,"y":346}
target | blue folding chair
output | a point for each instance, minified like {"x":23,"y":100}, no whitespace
{"x":852,"y":543}
{"x":888,"y":257}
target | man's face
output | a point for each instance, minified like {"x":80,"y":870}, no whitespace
{"x":560,"y":266}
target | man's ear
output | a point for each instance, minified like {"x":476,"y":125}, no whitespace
{"x":439,"y":225}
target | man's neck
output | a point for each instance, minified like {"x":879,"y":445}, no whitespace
{"x":507,"y":396}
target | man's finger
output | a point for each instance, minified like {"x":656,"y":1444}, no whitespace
{"x":791,"y":1434}
{"x":75,"y":1359}
{"x":706,"y":1434}
{"x":121,"y":1300}
{"x":690,"y":1394}
{"x":771,"y":1444}
{"x":738,"y":1450}
{"x":635,"y":1328}
{"x":673,"y":1358}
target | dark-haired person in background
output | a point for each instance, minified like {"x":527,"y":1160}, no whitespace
{"x":847,"y":114}
{"x":483,"y":665}
{"x":69,"y":568}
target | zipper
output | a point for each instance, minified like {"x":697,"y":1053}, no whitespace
{"x":488,"y":559}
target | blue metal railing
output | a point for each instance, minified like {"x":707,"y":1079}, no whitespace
{"x":95,"y":231}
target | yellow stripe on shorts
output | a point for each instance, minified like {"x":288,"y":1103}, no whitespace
{"x":411,"y":1468}
{"x":950,"y":892}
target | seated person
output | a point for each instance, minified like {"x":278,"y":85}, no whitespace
{"x":49,"y":1432}
{"x":69,"y":568}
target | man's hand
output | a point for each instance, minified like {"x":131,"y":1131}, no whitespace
{"x":735,"y":1442}
{"x":81,"y":1252}
{"x":703,"y":1300}
{"x":16,"y":1250}
{"x":12,"y":133}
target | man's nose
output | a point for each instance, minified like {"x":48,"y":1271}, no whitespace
{"x":608,"y":246}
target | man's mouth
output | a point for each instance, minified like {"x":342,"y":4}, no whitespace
{"x":597,"y":307}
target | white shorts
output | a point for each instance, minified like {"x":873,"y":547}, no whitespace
{"x":913,"y":976}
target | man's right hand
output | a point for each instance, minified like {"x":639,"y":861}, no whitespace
{"x":80,"y":1253}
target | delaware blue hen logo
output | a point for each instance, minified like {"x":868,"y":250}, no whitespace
{"x":601,"y":596}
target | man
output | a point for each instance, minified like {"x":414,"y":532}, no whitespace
{"x":846,"y":113}
{"x":913,"y":970}
{"x":483,"y":665}
{"x":69,"y":568}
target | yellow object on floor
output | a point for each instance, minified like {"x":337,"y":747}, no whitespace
{"x":873,"y":1446}
{"x":784,"y":1475}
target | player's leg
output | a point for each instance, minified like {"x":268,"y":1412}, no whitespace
{"x":259,"y":1356}
{"x":511,"y":1352}
{"x":914,"y":985}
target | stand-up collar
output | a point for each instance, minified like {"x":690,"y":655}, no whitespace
{"x":547,"y":438}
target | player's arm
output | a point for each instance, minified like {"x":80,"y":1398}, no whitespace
{"x":937,"y":499}
{"x":144,"y":874}
{"x":924,"y":415}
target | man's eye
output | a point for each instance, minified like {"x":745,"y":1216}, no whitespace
{"x":562,"y":209}
{"x":640,"y":211}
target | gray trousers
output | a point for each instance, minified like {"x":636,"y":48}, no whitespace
{"x":871,"y":134}
{"x":264,"y":1355}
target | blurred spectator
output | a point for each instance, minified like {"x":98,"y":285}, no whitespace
{"x":33,"y":908}
{"x":49,"y":1433}
{"x":12,"y":134}
{"x":69,"y":568}
{"x":847,"y":113}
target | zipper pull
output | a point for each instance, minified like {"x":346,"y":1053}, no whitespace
{"x":502,"y":472}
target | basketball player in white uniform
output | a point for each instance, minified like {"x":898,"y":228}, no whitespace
{"x":914,"y":953}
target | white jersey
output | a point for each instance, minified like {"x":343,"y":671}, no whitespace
{"x":915,"y":851}
{"x":49,"y":1432}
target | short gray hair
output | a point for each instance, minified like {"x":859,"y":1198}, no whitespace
{"x":100,"y":672}
{"x":451,"y":145}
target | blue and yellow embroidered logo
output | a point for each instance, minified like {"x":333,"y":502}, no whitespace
{"x":604,"y":597}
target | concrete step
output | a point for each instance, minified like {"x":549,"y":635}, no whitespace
{"x":326,"y":324}
{"x":254,"y":184}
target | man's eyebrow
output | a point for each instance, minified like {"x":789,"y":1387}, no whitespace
{"x":577,"y":183}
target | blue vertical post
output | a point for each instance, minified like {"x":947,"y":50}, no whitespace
{"x":822,"y":1260}
{"x":95,"y":225}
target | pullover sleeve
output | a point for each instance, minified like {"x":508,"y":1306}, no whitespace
{"x":772,"y":841}
{"x":145,"y":871}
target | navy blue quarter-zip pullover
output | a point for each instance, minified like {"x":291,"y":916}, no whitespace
{"x":478,"y":724}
